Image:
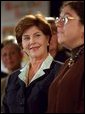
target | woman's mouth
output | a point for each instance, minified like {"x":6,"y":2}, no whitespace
{"x":34,"y":48}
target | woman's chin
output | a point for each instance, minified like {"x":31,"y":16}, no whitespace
{"x":34,"y":55}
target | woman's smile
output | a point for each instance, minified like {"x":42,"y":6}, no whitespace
{"x":34,"y":47}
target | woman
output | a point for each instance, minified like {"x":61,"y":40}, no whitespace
{"x":27,"y":88}
{"x":10,"y":51}
{"x":66,"y":93}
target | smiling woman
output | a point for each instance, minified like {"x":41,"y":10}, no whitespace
{"x":35,"y":42}
{"x":30,"y":84}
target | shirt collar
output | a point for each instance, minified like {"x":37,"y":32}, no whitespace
{"x":45,"y":65}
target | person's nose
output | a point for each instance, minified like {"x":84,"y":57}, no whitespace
{"x":32,"y":40}
{"x":59,"y":23}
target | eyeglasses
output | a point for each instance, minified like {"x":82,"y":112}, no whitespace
{"x":64,"y":20}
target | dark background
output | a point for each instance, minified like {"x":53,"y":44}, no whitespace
{"x":55,"y":7}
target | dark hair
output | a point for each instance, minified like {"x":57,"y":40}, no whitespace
{"x":51,"y":21}
{"x":77,"y":6}
{"x":10,"y":42}
{"x":29,"y":21}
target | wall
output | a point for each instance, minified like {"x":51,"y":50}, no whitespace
{"x":12,"y":11}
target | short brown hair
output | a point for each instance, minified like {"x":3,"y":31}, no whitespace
{"x":29,"y":21}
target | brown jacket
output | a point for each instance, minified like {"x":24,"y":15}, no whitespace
{"x":66,"y":93}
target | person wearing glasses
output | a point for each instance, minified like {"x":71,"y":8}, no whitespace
{"x":57,"y":51}
{"x":66,"y":92}
{"x":27,"y":89}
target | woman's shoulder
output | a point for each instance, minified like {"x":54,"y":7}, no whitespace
{"x":56,"y":66}
{"x":13,"y":77}
{"x":57,"y":63}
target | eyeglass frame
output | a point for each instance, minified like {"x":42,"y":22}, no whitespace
{"x":64,"y":19}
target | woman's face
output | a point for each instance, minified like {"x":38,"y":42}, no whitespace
{"x":34,"y":42}
{"x":9,"y":55}
{"x":70,"y":30}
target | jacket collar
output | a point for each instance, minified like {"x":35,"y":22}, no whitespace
{"x":45,"y":65}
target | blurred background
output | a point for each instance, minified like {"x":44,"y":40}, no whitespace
{"x":12,"y":11}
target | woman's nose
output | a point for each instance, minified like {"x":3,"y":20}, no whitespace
{"x":31,"y":40}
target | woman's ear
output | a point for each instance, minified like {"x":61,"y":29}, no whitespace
{"x":82,"y":32}
{"x":48,"y":40}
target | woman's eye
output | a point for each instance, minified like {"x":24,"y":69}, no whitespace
{"x":37,"y":35}
{"x":26,"y":38}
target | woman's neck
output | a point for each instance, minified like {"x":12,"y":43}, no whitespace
{"x":35,"y":64}
{"x":37,"y":60}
